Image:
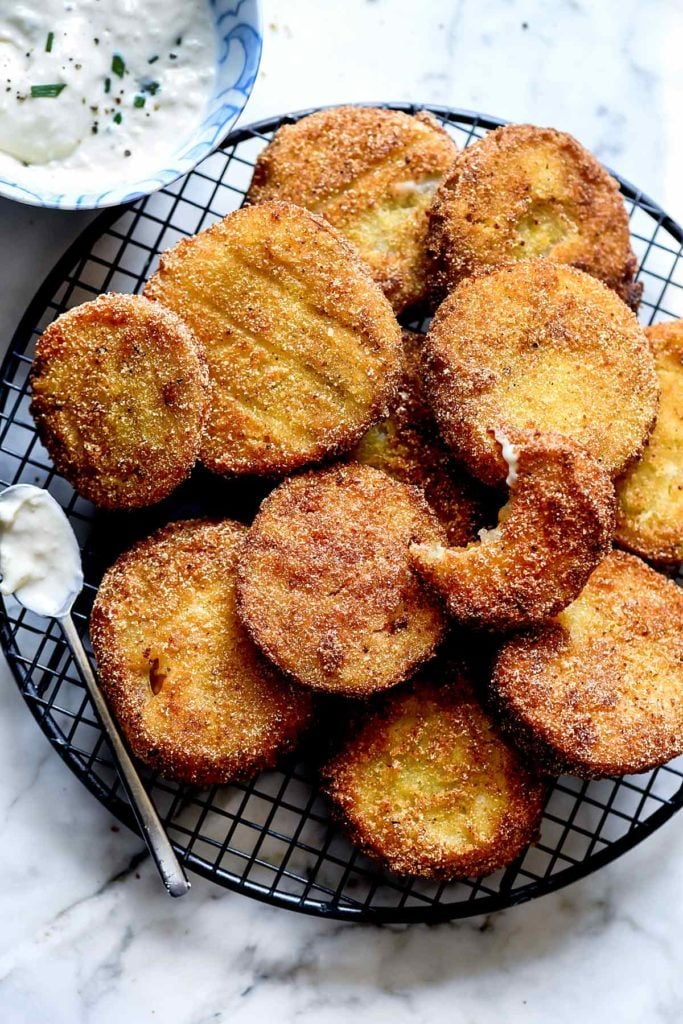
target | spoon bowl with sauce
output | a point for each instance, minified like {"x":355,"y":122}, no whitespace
{"x":101,"y":104}
{"x":40,"y":564}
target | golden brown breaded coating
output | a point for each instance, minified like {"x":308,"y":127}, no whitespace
{"x":556,"y":527}
{"x":540,"y":346}
{"x":599,"y":691}
{"x":370,"y":172}
{"x":407,"y":446}
{"x":119,"y":396}
{"x":325,"y":584}
{"x":650,"y":494}
{"x":523,"y":191}
{"x":426,"y":785}
{"x":304,"y":351}
{"x":195,"y":698}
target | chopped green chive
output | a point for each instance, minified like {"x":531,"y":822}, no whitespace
{"x":47,"y":91}
{"x":150,"y":87}
{"x":139,"y":101}
{"x":50,"y":41}
{"x":179,"y":41}
{"x":107,"y":85}
{"x":117,"y":65}
{"x":152,"y":60}
{"x":117,"y":117}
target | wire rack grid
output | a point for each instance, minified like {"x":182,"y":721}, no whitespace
{"x":271,"y":838}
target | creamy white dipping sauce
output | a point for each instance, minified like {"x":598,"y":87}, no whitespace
{"x":510,"y":454}
{"x":98,"y":92}
{"x":40,"y":561}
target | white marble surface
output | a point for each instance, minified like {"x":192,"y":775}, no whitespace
{"x":86,"y":935}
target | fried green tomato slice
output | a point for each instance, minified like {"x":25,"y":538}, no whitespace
{"x":599,"y":691}
{"x":372,"y":173}
{"x":119,"y":393}
{"x":326,"y":588}
{"x":650,"y":494}
{"x":407,"y":446}
{"x":304,"y":351}
{"x":195,"y":698}
{"x":523,"y":191}
{"x":426,"y":785}
{"x":540,"y":346}
{"x":554,"y":530}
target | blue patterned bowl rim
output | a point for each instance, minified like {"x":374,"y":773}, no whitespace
{"x":240,"y":41}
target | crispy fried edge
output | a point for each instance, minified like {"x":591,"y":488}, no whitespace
{"x":65,"y":461}
{"x":250,"y":621}
{"x":662,"y":339}
{"x":589,"y":484}
{"x":347,"y":438}
{"x":498,"y":853}
{"x":434,"y":372}
{"x":535,"y":743}
{"x":452,"y":262}
{"x":175,"y":763}
{"x":411,"y":414}
{"x":262,"y":188}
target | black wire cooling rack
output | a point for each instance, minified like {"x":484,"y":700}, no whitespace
{"x":271,"y":838}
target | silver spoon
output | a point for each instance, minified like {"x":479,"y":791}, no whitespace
{"x":52,"y":543}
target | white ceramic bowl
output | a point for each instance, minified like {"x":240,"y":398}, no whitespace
{"x":238,"y":29}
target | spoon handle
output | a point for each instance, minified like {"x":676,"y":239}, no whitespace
{"x":153,"y":831}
